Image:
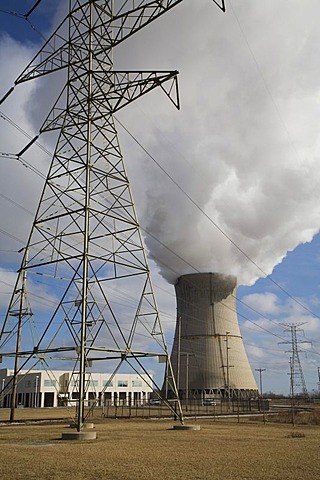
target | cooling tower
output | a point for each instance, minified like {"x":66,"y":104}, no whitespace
{"x":208,"y":355}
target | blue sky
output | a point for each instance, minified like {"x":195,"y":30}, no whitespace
{"x":244,"y":147}
{"x":18,"y":27}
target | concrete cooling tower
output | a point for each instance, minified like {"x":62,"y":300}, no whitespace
{"x":208,"y":355}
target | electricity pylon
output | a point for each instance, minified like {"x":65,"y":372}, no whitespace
{"x":85,"y":240}
{"x":297,"y":381}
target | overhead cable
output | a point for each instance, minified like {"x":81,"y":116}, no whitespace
{"x":213,"y":222}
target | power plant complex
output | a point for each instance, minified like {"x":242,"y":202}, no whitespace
{"x":86,"y":242}
{"x":208,"y":355}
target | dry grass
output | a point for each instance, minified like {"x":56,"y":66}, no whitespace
{"x":30,"y":414}
{"x":149,"y":449}
{"x":300,"y":418}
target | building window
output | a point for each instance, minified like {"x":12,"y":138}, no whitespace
{"x":49,"y":383}
{"x":108,"y":383}
{"x":122,"y":383}
{"x":137,"y":383}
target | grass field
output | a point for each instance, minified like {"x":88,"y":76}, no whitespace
{"x":150,"y":449}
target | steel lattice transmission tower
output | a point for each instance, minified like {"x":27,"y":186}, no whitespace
{"x":297,"y":380}
{"x":85,"y":239}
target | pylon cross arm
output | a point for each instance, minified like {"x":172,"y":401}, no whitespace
{"x":116,"y":90}
{"x":58,"y":53}
{"x":221,"y":5}
{"x":110,"y":30}
{"x":128,"y":86}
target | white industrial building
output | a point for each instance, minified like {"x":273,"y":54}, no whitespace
{"x":41,"y":388}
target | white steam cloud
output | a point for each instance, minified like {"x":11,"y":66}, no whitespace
{"x":245,"y":145}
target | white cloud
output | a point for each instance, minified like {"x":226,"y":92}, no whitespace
{"x":42,"y":297}
{"x":7,"y":281}
{"x":18,"y":182}
{"x":266,"y":303}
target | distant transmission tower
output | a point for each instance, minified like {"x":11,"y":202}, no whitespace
{"x":298,"y":384}
{"x":85,"y":241}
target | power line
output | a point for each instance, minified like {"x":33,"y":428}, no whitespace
{"x":23,"y":132}
{"x":155,"y":238}
{"x":125,"y":294}
{"x":186,"y":262}
{"x":25,"y":16}
{"x":16,"y":204}
{"x":25,"y":163}
{"x":202,"y":211}
{"x":21,"y":15}
{"x":213,"y":222}
{"x":266,"y":86}
{"x":12,"y":13}
{"x":11,"y":236}
{"x":18,"y":157}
